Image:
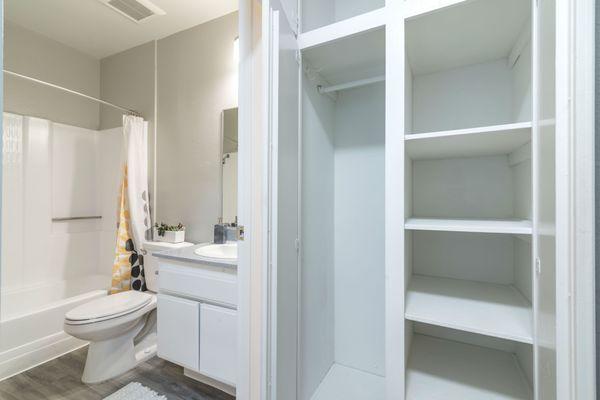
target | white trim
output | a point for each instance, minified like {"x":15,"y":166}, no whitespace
{"x":267,"y":366}
{"x":583,"y":108}
{"x":153,"y":218}
{"x":245,"y":200}
{"x":271,"y":36}
{"x":535,"y":127}
{"x":395,"y":360}
{"x":575,"y":340}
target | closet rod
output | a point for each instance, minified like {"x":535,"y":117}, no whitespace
{"x":349,"y":85}
{"x":106,"y":103}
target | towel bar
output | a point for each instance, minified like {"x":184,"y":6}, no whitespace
{"x":75,"y":218}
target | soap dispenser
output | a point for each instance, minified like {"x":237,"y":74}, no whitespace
{"x":219,"y":232}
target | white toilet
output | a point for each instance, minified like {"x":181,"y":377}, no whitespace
{"x":121,"y":328}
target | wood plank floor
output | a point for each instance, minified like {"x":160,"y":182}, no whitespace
{"x":61,"y":379}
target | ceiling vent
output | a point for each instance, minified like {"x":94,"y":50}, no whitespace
{"x":135,"y":10}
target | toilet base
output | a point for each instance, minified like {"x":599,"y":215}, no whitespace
{"x":110,"y":358}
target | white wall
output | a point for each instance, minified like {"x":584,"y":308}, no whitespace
{"x":483,"y":94}
{"x":476,"y":95}
{"x":343,"y":226}
{"x":360,"y":228}
{"x":318,"y":13}
{"x":317,"y":351}
{"x":32,"y":54}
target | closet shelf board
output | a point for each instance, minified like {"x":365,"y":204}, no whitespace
{"x":488,"y":309}
{"x":342,"y":29}
{"x":357,"y":57}
{"x":508,"y":226}
{"x":472,"y":142}
{"x":442,"y":369}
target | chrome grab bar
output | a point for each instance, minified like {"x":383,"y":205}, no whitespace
{"x":76,"y":218}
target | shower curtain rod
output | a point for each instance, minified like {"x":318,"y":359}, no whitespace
{"x":106,"y":103}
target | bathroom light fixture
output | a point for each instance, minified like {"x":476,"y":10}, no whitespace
{"x":236,"y":50}
{"x":135,"y":10}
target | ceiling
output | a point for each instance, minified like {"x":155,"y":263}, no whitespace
{"x":95,"y":29}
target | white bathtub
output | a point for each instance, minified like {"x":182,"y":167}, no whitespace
{"x":31,"y":321}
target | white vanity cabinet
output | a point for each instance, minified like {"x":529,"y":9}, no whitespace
{"x":197,"y":320}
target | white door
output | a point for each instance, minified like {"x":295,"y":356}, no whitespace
{"x":544,"y":200}
{"x":283,"y":123}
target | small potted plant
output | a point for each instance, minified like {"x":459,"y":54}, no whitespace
{"x":169,"y":233}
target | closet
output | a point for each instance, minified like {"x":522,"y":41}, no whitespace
{"x":413,"y":159}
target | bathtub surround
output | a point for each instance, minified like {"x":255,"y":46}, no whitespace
{"x":53,"y":171}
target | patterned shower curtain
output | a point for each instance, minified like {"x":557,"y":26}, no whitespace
{"x":133,"y":212}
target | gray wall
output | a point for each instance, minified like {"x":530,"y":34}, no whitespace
{"x":32,"y":54}
{"x":197,"y":79}
{"x":127,"y":79}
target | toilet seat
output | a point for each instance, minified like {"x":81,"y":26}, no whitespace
{"x":108,"y":307}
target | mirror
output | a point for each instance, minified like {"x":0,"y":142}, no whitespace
{"x":229,"y":156}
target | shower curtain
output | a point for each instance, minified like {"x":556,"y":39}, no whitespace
{"x":133,"y":212}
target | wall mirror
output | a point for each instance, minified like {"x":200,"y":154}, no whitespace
{"x":229,"y":157}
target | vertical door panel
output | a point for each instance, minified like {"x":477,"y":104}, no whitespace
{"x":178,"y":326}
{"x":218,"y":343}
{"x":283,"y":123}
{"x":544,"y":199}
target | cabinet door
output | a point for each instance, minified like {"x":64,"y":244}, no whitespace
{"x":218,"y":343}
{"x":178,"y":329}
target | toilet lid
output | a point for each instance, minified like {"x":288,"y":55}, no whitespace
{"x":116,"y":304}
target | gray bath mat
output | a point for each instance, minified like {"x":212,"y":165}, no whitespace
{"x":135,"y":391}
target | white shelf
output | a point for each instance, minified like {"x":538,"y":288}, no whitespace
{"x":516,"y":227}
{"x":444,"y":370}
{"x":473,"y":142}
{"x":357,"y":56}
{"x":466,"y":33}
{"x":350,"y":384}
{"x":414,"y":8}
{"x":342,"y":29}
{"x":482,"y":308}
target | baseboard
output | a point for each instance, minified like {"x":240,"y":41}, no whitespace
{"x":30,"y":355}
{"x":209,"y":381}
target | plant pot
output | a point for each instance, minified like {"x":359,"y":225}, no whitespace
{"x":170,"y":236}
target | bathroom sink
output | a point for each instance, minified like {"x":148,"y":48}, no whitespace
{"x":218,"y":252}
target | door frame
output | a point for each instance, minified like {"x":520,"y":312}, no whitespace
{"x":575,"y":195}
{"x":251,"y":204}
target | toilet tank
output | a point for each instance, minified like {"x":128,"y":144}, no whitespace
{"x":151,"y":262}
